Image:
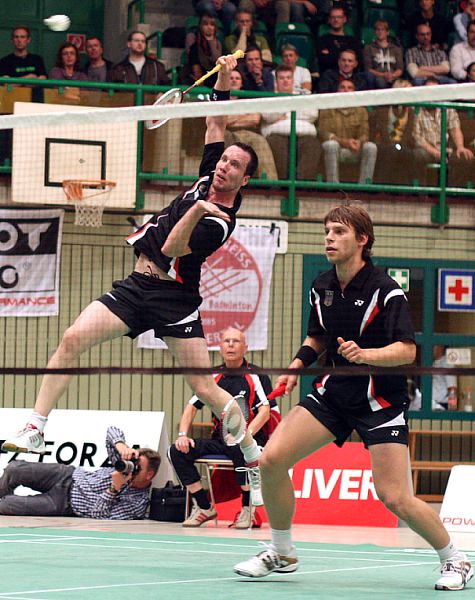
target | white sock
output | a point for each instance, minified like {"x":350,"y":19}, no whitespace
{"x":38,"y":421}
{"x":282,"y":541}
{"x":251,"y":453}
{"x":450,"y":551}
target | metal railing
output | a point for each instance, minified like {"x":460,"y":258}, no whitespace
{"x":289,"y":206}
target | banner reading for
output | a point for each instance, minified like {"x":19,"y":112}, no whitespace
{"x":235,"y":286}
{"x":30,"y":248}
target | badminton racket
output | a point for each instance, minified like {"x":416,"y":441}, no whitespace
{"x":175,"y":95}
{"x":233,"y":424}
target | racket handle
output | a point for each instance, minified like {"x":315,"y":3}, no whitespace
{"x":237,"y":54}
{"x":280,"y":391}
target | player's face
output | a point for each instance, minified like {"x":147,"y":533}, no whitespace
{"x":230,"y":171}
{"x":471,"y":36}
{"x":341,"y":244}
{"x":233,"y":347}
{"x":20,"y":39}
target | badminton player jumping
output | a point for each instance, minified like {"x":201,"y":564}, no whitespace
{"x":162,"y":293}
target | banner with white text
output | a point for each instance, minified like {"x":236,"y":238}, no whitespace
{"x":30,"y":252}
{"x":235,"y":287}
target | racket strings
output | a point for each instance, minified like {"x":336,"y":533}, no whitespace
{"x":233,"y":422}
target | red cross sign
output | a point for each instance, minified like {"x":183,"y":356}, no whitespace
{"x":456,"y":290}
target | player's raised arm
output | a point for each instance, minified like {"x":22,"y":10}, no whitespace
{"x":216,"y":126}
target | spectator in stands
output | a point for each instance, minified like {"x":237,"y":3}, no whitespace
{"x":268,"y":11}
{"x":20,"y":63}
{"x":441,"y":384}
{"x":427,"y":136}
{"x":440,"y":26}
{"x":203,"y":53}
{"x":462,"y":19}
{"x":329,"y":45}
{"x":253,"y":390}
{"x":256,"y":76}
{"x":244,"y":37}
{"x":302,"y":76}
{"x":344,"y":133}
{"x":276,"y":129}
{"x":224,"y":10}
{"x":347,"y":65}
{"x":463,"y":54}
{"x":383,"y":59}
{"x":471,"y":73}
{"x":426,"y":60}
{"x":67,"y":64}
{"x":392,"y":129}
{"x":97,"y":67}
{"x":137,"y":67}
{"x":246,"y":129}
{"x":305,"y":10}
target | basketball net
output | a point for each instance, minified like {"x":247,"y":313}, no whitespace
{"x":80,"y":192}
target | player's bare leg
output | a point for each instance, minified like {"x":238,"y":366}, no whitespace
{"x":193,"y":352}
{"x":390,"y":465}
{"x":297,"y":436}
{"x":94,"y":325}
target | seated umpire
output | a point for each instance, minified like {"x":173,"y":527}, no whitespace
{"x":69,"y":491}
{"x":256,"y":409}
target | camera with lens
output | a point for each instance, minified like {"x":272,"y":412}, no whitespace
{"x":128,"y":466}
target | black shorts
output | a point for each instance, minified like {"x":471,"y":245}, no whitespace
{"x":144,"y":303}
{"x":385,"y":426}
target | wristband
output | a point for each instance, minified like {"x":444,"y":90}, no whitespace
{"x":218,"y":95}
{"x":181,"y":433}
{"x":307,"y":355}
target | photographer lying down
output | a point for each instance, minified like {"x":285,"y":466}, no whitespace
{"x":118,"y":492}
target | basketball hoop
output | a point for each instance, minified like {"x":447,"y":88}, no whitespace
{"x":81,"y":193}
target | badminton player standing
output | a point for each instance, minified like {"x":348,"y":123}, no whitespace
{"x":360,"y":316}
{"x":163,"y":291}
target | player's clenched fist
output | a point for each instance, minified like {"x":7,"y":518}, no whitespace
{"x":351,"y":351}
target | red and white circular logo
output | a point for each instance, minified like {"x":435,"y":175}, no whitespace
{"x":231,"y":288}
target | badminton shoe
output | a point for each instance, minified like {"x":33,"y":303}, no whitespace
{"x":199,"y":515}
{"x":29,"y":439}
{"x":456,"y":573}
{"x":266,"y":562}
{"x":254,"y":479}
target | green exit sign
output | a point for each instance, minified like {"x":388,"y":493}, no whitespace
{"x":401,"y":276}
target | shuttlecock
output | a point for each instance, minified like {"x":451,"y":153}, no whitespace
{"x":57,"y":22}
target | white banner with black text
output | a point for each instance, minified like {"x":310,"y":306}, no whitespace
{"x":30,"y":252}
{"x":235,"y":287}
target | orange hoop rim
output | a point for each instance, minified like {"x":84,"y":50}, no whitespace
{"x":73,"y":188}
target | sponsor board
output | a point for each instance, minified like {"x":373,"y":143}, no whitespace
{"x":77,"y":437}
{"x":333,"y":486}
{"x":458,"y":507}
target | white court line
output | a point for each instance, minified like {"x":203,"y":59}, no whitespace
{"x":196,"y":541}
{"x":195,"y":581}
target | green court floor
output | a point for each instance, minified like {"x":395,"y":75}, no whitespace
{"x":54,"y":564}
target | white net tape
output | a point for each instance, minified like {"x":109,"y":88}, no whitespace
{"x":279,"y":104}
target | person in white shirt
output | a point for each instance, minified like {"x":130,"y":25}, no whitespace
{"x":276,"y":129}
{"x":302,"y":76}
{"x":463,"y":54}
{"x":441,"y":384}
